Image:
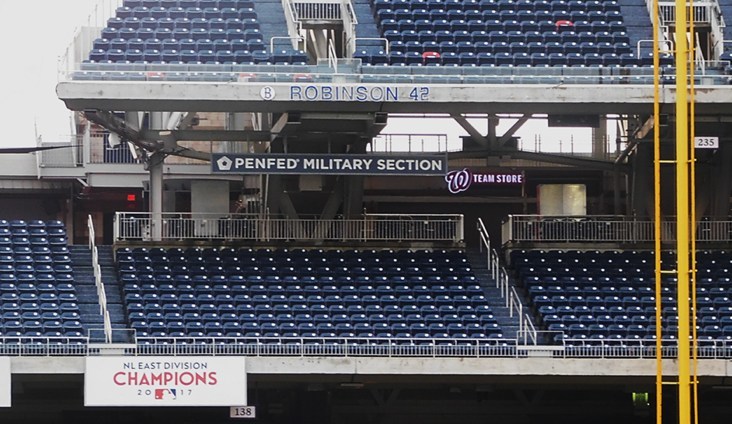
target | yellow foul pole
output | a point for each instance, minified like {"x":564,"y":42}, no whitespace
{"x":682,"y":210}
{"x":657,"y":211}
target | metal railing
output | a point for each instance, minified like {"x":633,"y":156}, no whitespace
{"x":294,"y":27}
{"x":349,"y":26}
{"x":701,"y":12}
{"x":503,"y":283}
{"x":43,"y":346}
{"x":396,"y":142}
{"x":99,"y":284}
{"x":318,"y":10}
{"x":371,"y":227}
{"x":416,"y":347}
{"x":381,"y":39}
{"x":360,"y":346}
{"x":603,"y":228}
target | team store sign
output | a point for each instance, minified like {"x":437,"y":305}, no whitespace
{"x":460,"y":180}
{"x":165,"y":381}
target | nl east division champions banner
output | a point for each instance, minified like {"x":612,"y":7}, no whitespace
{"x":4,"y":382}
{"x":165,"y":381}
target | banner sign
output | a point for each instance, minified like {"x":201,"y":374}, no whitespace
{"x":461,"y":180}
{"x":165,"y":381}
{"x":324,"y":164}
{"x":5,"y":378}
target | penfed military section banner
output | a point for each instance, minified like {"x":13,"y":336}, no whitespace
{"x":329,"y":164}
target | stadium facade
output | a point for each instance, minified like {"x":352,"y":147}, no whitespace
{"x":231,"y":226}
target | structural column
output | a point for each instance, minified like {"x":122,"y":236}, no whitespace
{"x":155,"y":167}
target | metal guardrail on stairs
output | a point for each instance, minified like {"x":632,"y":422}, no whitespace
{"x":526,"y":330}
{"x":101,"y":293}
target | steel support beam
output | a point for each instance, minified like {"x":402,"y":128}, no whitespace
{"x":475,"y":134}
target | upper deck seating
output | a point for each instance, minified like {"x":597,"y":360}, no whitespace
{"x":588,"y":28}
{"x":167,"y":31}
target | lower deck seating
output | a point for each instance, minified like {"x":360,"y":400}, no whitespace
{"x":595,"y":296}
{"x":428,"y":296}
{"x":37,"y":293}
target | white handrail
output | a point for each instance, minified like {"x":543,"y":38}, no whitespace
{"x":508,"y":291}
{"x":349,"y":26}
{"x":101,"y":293}
{"x":332,"y":56}
{"x":368,"y":228}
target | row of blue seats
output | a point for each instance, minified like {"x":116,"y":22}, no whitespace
{"x":299,"y":291}
{"x":216,"y":329}
{"x":295,"y":271}
{"x":59,"y":307}
{"x":57,"y":251}
{"x":237,"y":279}
{"x":439,"y":15}
{"x":468,"y":31}
{"x":37,"y":268}
{"x":142,"y":12}
{"x":486,"y":22}
{"x":464,"y":314}
{"x":623,"y":310}
{"x":323,"y":321}
{"x":484,"y":54}
{"x":27,"y":338}
{"x":31,"y":232}
{"x":223,"y":57}
{"x":42,"y":297}
{"x":610,"y":301}
{"x":188,"y":3}
{"x":26,"y":255}
{"x":30,"y":277}
{"x":279,"y":316}
{"x":31,"y":224}
{"x":431,"y":40}
{"x":368,"y":340}
{"x":36,"y":256}
{"x":509,"y":59}
{"x":588,"y":319}
{"x":233,"y":44}
{"x":329,"y":300}
{"x":595,"y":290}
{"x":40,"y":316}
{"x":151,"y":35}
{"x":39,"y":287}
{"x":169,"y":25}
{"x":32,"y":242}
{"x":471,"y":5}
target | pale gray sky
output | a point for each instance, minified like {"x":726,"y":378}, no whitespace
{"x":35,"y":34}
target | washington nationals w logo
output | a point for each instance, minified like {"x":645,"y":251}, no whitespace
{"x":458,"y":181}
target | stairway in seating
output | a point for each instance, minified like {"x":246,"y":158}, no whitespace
{"x":637,"y":23}
{"x":86,"y":291}
{"x":509,"y":325}
{"x":367,"y":27}
{"x":726,"y":7}
{"x":272,"y":22}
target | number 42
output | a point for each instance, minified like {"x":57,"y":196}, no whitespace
{"x":420,"y":94}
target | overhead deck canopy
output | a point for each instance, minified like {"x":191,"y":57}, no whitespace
{"x":382,"y":97}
